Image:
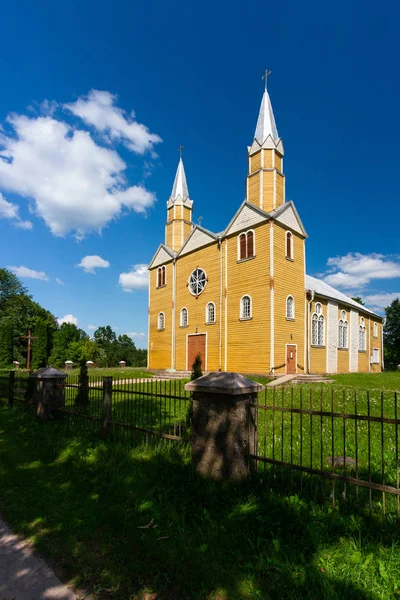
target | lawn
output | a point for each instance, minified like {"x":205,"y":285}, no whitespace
{"x":124,"y":522}
{"x":383,"y":381}
{"x":115,"y":372}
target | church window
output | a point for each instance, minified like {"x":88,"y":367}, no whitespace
{"x":184,"y":317}
{"x":161,"y":321}
{"x":375,"y":356}
{"x":289,"y":245}
{"x":343,"y":331}
{"x":290,"y":307}
{"x":245,"y":308}
{"x":197,"y":282}
{"x":314,"y":339}
{"x":362,"y":344}
{"x":375,"y":330}
{"x":161,"y":276}
{"x":318,"y":327}
{"x":246,"y":245}
{"x":210,"y":312}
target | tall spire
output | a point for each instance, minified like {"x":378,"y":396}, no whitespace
{"x":266,"y":121}
{"x":180,"y":188}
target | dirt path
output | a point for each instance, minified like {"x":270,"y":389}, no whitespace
{"x":24,"y":575}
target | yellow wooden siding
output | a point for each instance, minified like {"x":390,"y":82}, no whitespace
{"x":248,"y":347}
{"x":255,"y":162}
{"x":186,"y":214}
{"x":288,"y":280}
{"x":254,"y":189}
{"x":279,"y":190}
{"x":278,"y":161}
{"x":179,"y":212}
{"x":186,"y":231}
{"x":170,"y":213}
{"x":160,"y":301}
{"x":168,"y":235}
{"x":268,"y":189}
{"x":318,"y":354}
{"x":343,"y":361}
{"x":268,"y":159}
{"x":207,"y":258}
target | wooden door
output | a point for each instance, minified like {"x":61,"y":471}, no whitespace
{"x":196,"y":345}
{"x":291,"y":360}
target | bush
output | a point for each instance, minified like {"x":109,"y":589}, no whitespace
{"x":196,"y":368}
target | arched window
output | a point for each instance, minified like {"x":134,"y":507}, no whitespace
{"x":161,"y":276}
{"x":375,"y":330}
{"x":245,"y":308}
{"x":161,"y":321}
{"x":184,"y":317}
{"x":210,"y":312}
{"x":318,"y":327}
{"x":246,"y":245}
{"x":362,"y":338}
{"x":290,"y":307}
{"x":289,"y":245}
{"x":343,"y":331}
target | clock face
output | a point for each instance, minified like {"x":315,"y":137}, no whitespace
{"x":197,"y":282}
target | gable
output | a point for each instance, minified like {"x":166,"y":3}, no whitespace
{"x":197,"y":239}
{"x":246,"y":217}
{"x":161,"y":257}
{"x":289,"y":218}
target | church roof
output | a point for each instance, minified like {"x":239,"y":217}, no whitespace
{"x":180,"y":192}
{"x":323,"y":289}
{"x":266,"y":121}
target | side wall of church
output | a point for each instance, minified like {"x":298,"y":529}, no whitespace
{"x":318,"y":353}
{"x":289,"y":279}
{"x":160,"y":342}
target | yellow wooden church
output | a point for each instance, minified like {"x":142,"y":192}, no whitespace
{"x":242,"y":297}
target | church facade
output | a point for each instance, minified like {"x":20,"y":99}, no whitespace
{"x":242,"y":298}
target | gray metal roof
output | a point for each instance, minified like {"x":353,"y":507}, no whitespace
{"x":180,"y":187}
{"x":266,"y":121}
{"x":323,"y":289}
{"x":48,"y":372}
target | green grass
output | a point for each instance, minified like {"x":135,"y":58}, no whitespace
{"x":83,"y":503}
{"x":116,"y":372}
{"x":381,"y":381}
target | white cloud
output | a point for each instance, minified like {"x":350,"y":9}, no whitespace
{"x":26,"y":273}
{"x":91,"y":327}
{"x":77,"y":185}
{"x":380,"y":301}
{"x":68,"y":319}
{"x":90,"y":263}
{"x":99,"y":110}
{"x":10,"y":211}
{"x":355,"y":270}
{"x":136,"y":279}
{"x":58,"y":280}
{"x":133,"y":334}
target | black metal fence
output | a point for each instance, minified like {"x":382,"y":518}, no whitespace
{"x":340,"y":443}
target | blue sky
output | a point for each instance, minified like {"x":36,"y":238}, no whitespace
{"x":80,"y":176}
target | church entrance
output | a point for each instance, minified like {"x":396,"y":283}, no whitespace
{"x":196,"y":343}
{"x":291,"y":360}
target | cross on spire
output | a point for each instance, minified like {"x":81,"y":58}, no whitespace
{"x":180,"y":150}
{"x":265,"y":76}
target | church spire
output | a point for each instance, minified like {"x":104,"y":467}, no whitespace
{"x":179,"y":210}
{"x":266,"y":121}
{"x":180,"y":188}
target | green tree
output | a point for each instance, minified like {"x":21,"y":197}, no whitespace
{"x":40,"y":345}
{"x":6,"y":342}
{"x":391,"y":335}
{"x":82,"y":397}
{"x":359,"y":300}
{"x":68,"y":343}
{"x":196,"y":368}
{"x":105,"y":339}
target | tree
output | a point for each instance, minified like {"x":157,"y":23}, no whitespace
{"x":358,"y":299}
{"x":68,"y":343}
{"x":40,"y":345}
{"x":391,"y":335}
{"x":10,"y":286}
{"x":196,"y":368}
{"x":82,"y":397}
{"x":105,"y":338}
{"x":6,"y":342}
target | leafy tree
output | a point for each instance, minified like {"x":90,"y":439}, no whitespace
{"x":68,"y":343}
{"x":359,"y":300}
{"x":391,"y":335}
{"x":10,"y":286}
{"x":40,"y":345}
{"x":196,"y":368}
{"x":105,"y":339}
{"x":82,"y":397}
{"x":6,"y":342}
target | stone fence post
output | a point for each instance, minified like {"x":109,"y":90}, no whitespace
{"x":49,"y":394}
{"x":224,"y":425}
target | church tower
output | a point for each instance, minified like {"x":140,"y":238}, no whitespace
{"x":179,"y":211}
{"x":265,"y":184}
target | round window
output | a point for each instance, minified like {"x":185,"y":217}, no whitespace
{"x":197,"y":282}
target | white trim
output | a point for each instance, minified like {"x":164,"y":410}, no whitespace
{"x":294,"y":308}
{"x":187,"y":348}
{"x":173,"y":328}
{"x":159,"y":269}
{"x":291,"y":257}
{"x":251,"y":308}
{"x":369,"y":344}
{"x":215,"y":313}
{"x":158,"y":321}
{"x":376,"y":331}
{"x":373,"y":361}
{"x":274,"y":188}
{"x":254,"y":243}
{"x":286,"y":366}
{"x":148,"y":322}
{"x":183,"y":232}
{"x":205,"y":283}
{"x":273,"y":158}
{"x":261,"y":202}
{"x":220,"y":306}
{"x":226,"y":308}
{"x":271,"y":299}
{"x":180,"y":316}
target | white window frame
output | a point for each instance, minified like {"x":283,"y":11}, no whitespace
{"x":161,"y":314}
{"x":158,"y":270}
{"x":215,"y":313}
{"x":345,"y":328}
{"x":362,"y":336}
{"x":375,"y":351}
{"x":291,"y":257}
{"x":242,"y":317}
{"x":205,"y":282}
{"x":254,"y":244}
{"x":287,"y":316}
{"x":317,"y":318}
{"x":187,"y":317}
{"x":376,"y":330}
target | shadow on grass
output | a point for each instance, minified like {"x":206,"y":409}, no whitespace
{"x":124,"y":522}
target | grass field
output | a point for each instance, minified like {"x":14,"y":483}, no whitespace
{"x":84,"y":504}
{"x":381,"y":381}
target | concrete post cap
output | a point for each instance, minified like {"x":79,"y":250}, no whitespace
{"x":233,"y":384}
{"x":49,"y":373}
